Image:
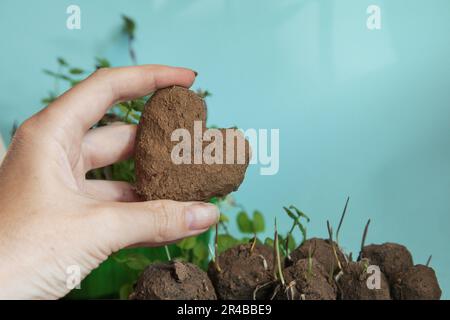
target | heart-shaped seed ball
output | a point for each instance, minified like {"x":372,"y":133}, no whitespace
{"x":162,"y":141}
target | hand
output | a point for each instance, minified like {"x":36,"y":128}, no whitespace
{"x":51,"y":217}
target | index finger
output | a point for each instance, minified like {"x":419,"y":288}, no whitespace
{"x":81,"y":107}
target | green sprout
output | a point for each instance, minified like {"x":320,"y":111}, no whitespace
{"x":340,"y":221}
{"x":169,"y":258}
{"x":428,"y":260}
{"x":310,"y":262}
{"x":216,"y":254}
{"x":330,"y":234}
{"x":363,"y":240}
{"x":296,"y":215}
{"x":128,"y":29}
{"x":277,"y":261}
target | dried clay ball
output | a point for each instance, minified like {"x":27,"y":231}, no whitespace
{"x":352,"y":284}
{"x":321,"y":250}
{"x":417,"y":283}
{"x":189,"y":168}
{"x":306,"y":279}
{"x":242,"y":269}
{"x":392,"y":258}
{"x":173,"y":281}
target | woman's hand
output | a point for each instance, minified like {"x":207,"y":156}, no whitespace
{"x":52,"y":218}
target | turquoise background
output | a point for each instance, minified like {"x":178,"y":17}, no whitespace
{"x":361,"y":113}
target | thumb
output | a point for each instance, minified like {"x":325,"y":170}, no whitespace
{"x":159,"y":222}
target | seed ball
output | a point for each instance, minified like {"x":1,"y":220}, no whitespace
{"x":322,"y":251}
{"x":306,"y":279}
{"x":173,"y":281}
{"x":352,"y":284}
{"x":241,"y":271}
{"x":417,"y":283}
{"x":168,"y":165}
{"x":392,"y":258}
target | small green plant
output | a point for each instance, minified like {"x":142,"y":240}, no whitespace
{"x":310,"y":261}
{"x":428,"y":260}
{"x":330,"y":235}
{"x":296,"y":215}
{"x":363,"y":239}
{"x":247,"y":225}
{"x":341,"y":220}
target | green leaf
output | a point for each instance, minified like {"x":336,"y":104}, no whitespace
{"x":299,"y":213}
{"x":201,"y":251}
{"x":123,"y":171}
{"x":268,"y":242}
{"x":187,"y":243}
{"x":129,"y":26}
{"x":62,"y":62}
{"x":258,"y":222}
{"x":224,"y":218}
{"x":57,"y":75}
{"x":290,"y":213}
{"x":291,"y":244}
{"x":137,"y":105}
{"x":73,"y":83}
{"x":245,"y":225}
{"x":226,"y":241}
{"x":76,"y":71}
{"x":303,"y":231}
{"x":125,"y":291}
{"x":214,"y":200}
{"x":49,"y":99}
{"x":102,"y":63}
{"x":134,"y":261}
{"x":203,"y":93}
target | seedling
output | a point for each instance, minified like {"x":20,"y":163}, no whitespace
{"x":429,"y":260}
{"x":128,"y":28}
{"x":296,"y":217}
{"x":330,"y":234}
{"x":340,"y":221}
{"x":278,"y":269}
{"x":252,"y":248}
{"x":363,"y":240}
{"x":167,"y":253}
{"x":310,"y":262}
{"x":216,"y":250}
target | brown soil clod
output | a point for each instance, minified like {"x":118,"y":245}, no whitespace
{"x":392,"y":258}
{"x":417,"y":283}
{"x":322,"y":252}
{"x":306,"y":279}
{"x":353,"y":285}
{"x":243,"y":269}
{"x":173,"y":281}
{"x":157,"y":176}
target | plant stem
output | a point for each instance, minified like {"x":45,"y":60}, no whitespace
{"x":278,"y":258}
{"x":330,"y":233}
{"x":168,"y":253}
{"x":342,"y":219}
{"x":216,"y":253}
{"x":131,"y":50}
{"x":363,"y":240}
{"x":429,"y":260}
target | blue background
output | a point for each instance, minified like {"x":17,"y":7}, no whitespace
{"x":361,"y":113}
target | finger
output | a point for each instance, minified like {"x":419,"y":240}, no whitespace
{"x":157,"y":222}
{"x":107,"y":145}
{"x":83,"y":105}
{"x":110,"y":190}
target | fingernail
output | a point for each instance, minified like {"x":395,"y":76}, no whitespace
{"x":195,"y":72}
{"x":201,"y":216}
